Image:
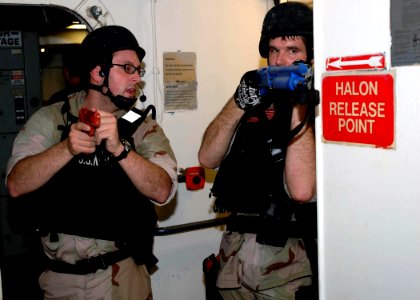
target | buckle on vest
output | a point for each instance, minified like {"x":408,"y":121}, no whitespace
{"x":92,"y":263}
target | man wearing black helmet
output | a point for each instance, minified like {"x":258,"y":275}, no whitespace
{"x":263,"y":188}
{"x":93,"y":188}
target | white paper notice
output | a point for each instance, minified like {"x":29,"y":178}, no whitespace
{"x":180,"y":81}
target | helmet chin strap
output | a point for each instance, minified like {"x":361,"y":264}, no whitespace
{"x":119,"y":101}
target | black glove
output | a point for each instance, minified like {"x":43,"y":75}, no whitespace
{"x":305,"y":94}
{"x":247,"y":95}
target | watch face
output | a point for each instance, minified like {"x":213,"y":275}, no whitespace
{"x":124,"y":153}
{"x":127,"y":145}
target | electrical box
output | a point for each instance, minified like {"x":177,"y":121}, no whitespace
{"x":20,"y":94}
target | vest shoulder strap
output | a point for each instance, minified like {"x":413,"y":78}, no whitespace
{"x":68,"y":119}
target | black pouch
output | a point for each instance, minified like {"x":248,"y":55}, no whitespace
{"x":274,"y":229}
{"x":211,"y":267}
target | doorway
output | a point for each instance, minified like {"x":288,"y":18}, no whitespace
{"x":33,"y":43}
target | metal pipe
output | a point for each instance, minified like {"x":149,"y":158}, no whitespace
{"x":161,"y":231}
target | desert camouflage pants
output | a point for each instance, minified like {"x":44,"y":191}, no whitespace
{"x":251,"y":271}
{"x":124,"y":280}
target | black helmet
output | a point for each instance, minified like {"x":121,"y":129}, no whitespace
{"x":99,"y":45}
{"x":286,"y":19}
{"x":97,"y":49}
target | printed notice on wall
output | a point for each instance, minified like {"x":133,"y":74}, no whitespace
{"x":405,"y":32}
{"x":180,"y":81}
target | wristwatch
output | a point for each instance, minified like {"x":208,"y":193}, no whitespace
{"x":124,"y":153}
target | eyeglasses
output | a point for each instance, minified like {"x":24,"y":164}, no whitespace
{"x":130,"y":69}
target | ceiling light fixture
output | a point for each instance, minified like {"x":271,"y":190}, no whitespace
{"x":77,"y":26}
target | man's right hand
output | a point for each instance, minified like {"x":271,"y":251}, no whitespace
{"x":247,"y":95}
{"x":79,"y":141}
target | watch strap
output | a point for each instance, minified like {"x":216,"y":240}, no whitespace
{"x":124,"y":153}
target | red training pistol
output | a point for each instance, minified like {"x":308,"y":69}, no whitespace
{"x":93,"y":119}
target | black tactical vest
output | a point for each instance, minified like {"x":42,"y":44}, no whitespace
{"x":93,"y":197}
{"x":250,"y":178}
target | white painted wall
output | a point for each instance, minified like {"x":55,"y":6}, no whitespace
{"x":224,"y":34}
{"x":368,"y":211}
{"x":368,"y":197}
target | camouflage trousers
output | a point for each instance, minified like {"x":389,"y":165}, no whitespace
{"x":123,"y":280}
{"x":249,"y":270}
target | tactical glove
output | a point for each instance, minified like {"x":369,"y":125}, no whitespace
{"x":247,"y":95}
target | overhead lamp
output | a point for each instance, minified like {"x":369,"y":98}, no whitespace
{"x":76,"y":26}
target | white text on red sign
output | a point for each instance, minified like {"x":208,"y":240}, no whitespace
{"x":359,"y":109}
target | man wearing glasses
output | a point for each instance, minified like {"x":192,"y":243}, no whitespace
{"x":92,"y":189}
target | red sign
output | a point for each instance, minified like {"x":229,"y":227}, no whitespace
{"x":359,"y":109}
{"x":359,"y":62}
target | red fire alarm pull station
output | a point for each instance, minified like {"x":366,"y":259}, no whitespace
{"x":359,"y":108}
{"x":194,"y":178}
